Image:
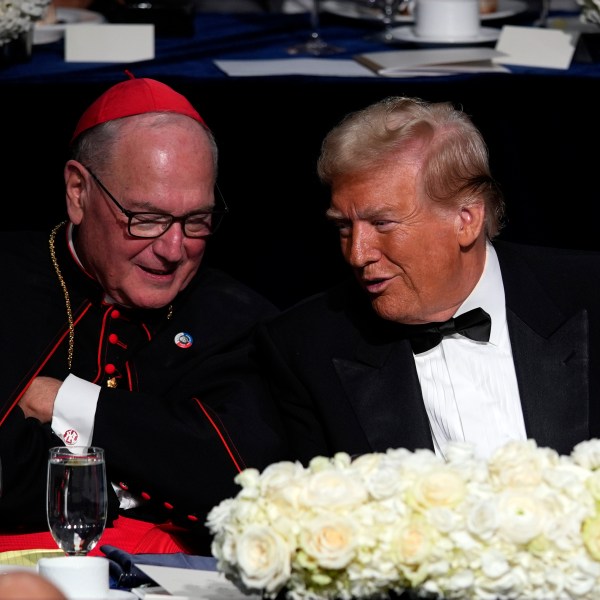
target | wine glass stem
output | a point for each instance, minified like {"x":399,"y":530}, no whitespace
{"x":390,"y":8}
{"x":542,"y":20}
{"x":315,"y":21}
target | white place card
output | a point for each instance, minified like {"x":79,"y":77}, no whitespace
{"x":109,"y":43}
{"x":535,"y":47}
{"x":190,"y":584}
{"x":411,"y":63}
{"x":329,"y":67}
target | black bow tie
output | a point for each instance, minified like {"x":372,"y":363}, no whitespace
{"x":474,"y":324}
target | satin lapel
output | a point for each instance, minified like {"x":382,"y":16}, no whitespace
{"x":551,"y":355}
{"x":552,"y":374}
{"x":384,"y":391}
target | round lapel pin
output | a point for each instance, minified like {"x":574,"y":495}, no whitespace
{"x":184,"y":340}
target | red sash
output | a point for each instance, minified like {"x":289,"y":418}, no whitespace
{"x":130,"y":535}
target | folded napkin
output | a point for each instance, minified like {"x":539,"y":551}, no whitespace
{"x":27,"y":558}
{"x":124,"y":573}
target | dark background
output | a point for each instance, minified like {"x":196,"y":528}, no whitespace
{"x":542,"y":132}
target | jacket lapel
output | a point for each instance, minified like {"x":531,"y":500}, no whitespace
{"x":553,"y":381}
{"x":551,"y":355}
{"x":383,"y":388}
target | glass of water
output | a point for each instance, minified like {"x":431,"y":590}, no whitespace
{"x":76,"y":497}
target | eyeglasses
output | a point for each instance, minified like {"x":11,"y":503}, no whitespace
{"x":198,"y":224}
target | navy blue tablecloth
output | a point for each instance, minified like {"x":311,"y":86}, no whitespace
{"x":225,"y":36}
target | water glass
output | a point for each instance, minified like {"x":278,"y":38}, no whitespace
{"x":76,"y":497}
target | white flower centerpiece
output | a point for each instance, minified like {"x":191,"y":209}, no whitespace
{"x":523,"y":525}
{"x":17,"y":17}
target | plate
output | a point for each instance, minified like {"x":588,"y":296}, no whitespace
{"x":353,"y":10}
{"x":45,"y":33}
{"x":407,"y":34}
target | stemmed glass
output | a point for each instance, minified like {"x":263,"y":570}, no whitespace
{"x":542,"y":20}
{"x":388,"y":10}
{"x":315,"y":44}
{"x":76,"y":497}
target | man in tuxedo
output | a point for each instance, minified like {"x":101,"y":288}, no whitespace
{"x":443,"y":333}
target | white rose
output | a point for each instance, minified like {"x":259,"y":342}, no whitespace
{"x":481,"y":518}
{"x":441,"y":487}
{"x":329,"y":539}
{"x":587,"y":454}
{"x":413,"y":542}
{"x":397,"y":456}
{"x":281,"y":483}
{"x":421,"y":460}
{"x":444,"y":519}
{"x":383,"y":482}
{"x":320,"y":463}
{"x":279,"y":475}
{"x":224,"y":548}
{"x":380,"y":476}
{"x":263,"y":558}
{"x":367,"y":463}
{"x":520,"y":464}
{"x":521,"y":517}
{"x":333,"y":489}
{"x":341,"y":460}
{"x":248,"y":478}
{"x":245,"y":511}
{"x":219,"y":515}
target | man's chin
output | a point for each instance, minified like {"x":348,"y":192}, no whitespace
{"x":385,"y":311}
{"x":380,"y":308}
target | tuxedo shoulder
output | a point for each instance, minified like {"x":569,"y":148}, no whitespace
{"x":341,"y":307}
{"x":212,"y":285}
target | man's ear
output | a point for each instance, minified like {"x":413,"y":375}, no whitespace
{"x":76,"y":189}
{"x":470,"y":223}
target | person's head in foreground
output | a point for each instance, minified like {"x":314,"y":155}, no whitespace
{"x":140,"y":189}
{"x":26,"y":585}
{"x":414,"y":202}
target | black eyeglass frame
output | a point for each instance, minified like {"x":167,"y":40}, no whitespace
{"x":173,"y":219}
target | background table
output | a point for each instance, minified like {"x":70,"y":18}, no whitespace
{"x":541,"y":126}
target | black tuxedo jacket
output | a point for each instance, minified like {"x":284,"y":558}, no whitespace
{"x":346,"y":380}
{"x":183,"y":419}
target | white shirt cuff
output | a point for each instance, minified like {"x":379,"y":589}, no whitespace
{"x":75,"y":410}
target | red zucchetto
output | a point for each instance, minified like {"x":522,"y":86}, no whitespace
{"x":134,"y":97}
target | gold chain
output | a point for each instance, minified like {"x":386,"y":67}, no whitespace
{"x":63,"y":285}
